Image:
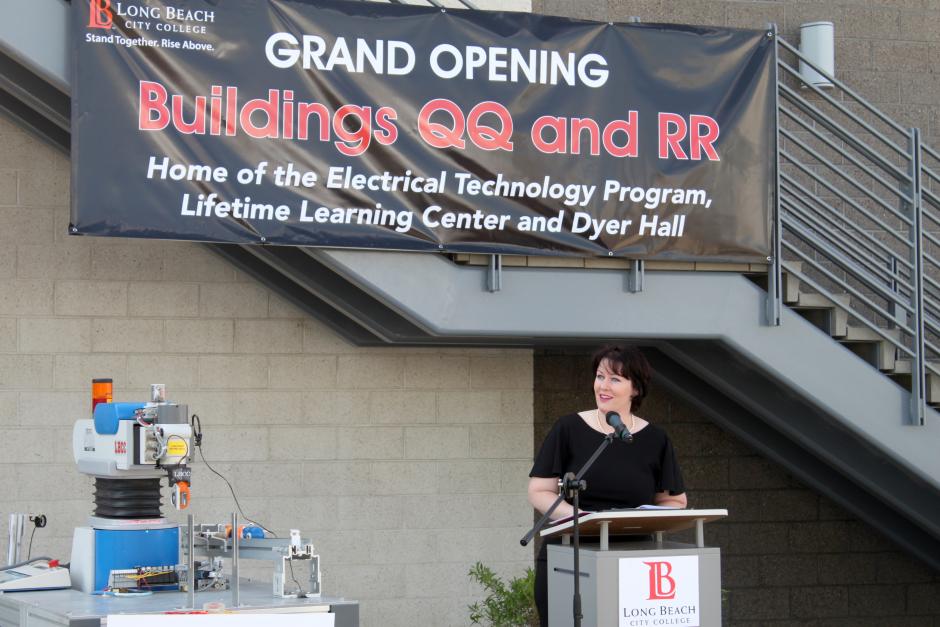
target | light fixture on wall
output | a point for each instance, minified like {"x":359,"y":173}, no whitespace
{"x":817,"y":43}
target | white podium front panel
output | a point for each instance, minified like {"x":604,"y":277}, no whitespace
{"x":607,"y":600}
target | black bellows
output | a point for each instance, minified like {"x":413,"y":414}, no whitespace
{"x":127,"y":498}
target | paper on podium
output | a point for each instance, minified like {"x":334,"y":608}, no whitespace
{"x":626,"y":522}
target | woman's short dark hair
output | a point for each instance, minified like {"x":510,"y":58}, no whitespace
{"x":627,"y":361}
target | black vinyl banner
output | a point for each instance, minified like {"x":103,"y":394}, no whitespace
{"x":371,"y":125}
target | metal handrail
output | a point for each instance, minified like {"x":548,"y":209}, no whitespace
{"x":855,"y":232}
{"x":865,"y":239}
{"x":850,"y":268}
{"x":855,"y":160}
{"x":833,"y":240}
{"x":841,"y":173}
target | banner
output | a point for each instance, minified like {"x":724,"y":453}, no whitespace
{"x":372,"y":125}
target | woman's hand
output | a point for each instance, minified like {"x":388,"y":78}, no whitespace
{"x":668,"y":500}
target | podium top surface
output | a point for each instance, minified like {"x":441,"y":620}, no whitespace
{"x":635,"y":522}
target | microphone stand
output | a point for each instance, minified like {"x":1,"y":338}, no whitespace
{"x":571,"y":486}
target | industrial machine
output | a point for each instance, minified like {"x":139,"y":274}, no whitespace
{"x":213,"y":542}
{"x":129,"y":448}
{"x":128,"y":546}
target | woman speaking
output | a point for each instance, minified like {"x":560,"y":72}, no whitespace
{"x":641,"y":472}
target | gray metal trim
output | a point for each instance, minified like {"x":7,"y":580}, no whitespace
{"x":33,"y":103}
{"x":36,"y":33}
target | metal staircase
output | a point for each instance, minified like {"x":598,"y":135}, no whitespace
{"x":857,"y":256}
{"x":858,"y":228}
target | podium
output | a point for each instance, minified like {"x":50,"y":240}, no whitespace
{"x":643,"y":581}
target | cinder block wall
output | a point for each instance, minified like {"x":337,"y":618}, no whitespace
{"x":886,"y":50}
{"x":789,"y":555}
{"x":404,"y":466}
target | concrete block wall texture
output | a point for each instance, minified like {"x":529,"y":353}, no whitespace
{"x":887,"y":50}
{"x":404,"y":466}
{"x":789,"y":555}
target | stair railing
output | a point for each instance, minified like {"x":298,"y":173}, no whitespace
{"x":858,"y":215}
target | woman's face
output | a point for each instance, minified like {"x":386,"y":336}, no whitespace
{"x":612,"y":391}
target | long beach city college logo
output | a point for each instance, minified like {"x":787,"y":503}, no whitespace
{"x":659,"y":592}
{"x":662,"y":586}
{"x":99,"y":14}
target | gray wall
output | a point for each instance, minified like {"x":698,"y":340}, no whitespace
{"x":404,"y":466}
{"x":887,"y":50}
{"x":789,"y":555}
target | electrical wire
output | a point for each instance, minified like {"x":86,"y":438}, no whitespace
{"x":197,"y":437}
{"x":30,"y":549}
{"x":301,"y":593}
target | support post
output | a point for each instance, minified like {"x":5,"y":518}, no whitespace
{"x":494,"y":274}
{"x":637,"y":275}
{"x":236,"y":600}
{"x":918,"y":413}
{"x":191,"y":562}
{"x":774,"y":270}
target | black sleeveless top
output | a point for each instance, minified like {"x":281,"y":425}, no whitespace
{"x":625,"y":475}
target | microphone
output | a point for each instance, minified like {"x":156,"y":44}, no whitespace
{"x":620,"y":429}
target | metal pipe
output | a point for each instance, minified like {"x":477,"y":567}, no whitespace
{"x":835,"y":190}
{"x":827,"y":121}
{"x":880,"y":290}
{"x":808,"y":197}
{"x":842,"y":86}
{"x":236,"y":601}
{"x":16,"y":530}
{"x":774,"y":269}
{"x":918,"y":372}
{"x":809,"y":128}
{"x":832,"y":234}
{"x":843,"y":175}
{"x":191,"y":561}
{"x":817,"y":286}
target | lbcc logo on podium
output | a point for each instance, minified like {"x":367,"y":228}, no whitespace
{"x":662,"y":586}
{"x":660,"y":591}
{"x":99,"y":14}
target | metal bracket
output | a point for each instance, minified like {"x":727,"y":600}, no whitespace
{"x":494,"y":274}
{"x":637,"y":275}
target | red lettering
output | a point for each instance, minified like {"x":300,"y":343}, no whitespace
{"x":438,"y":135}
{"x":99,"y":14}
{"x":384,"y":119}
{"x":486,"y":137}
{"x":215,"y":110}
{"x":578,"y":126}
{"x":662,"y":586}
{"x":629,"y":127}
{"x":304,"y":110}
{"x":672,"y":130}
{"x":559,"y":145}
{"x":353,"y":143}
{"x":288,"y":114}
{"x":120,"y":446}
{"x":152,"y":101}
{"x":704,"y":134}
{"x":198,"y":125}
{"x":269,"y":108}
